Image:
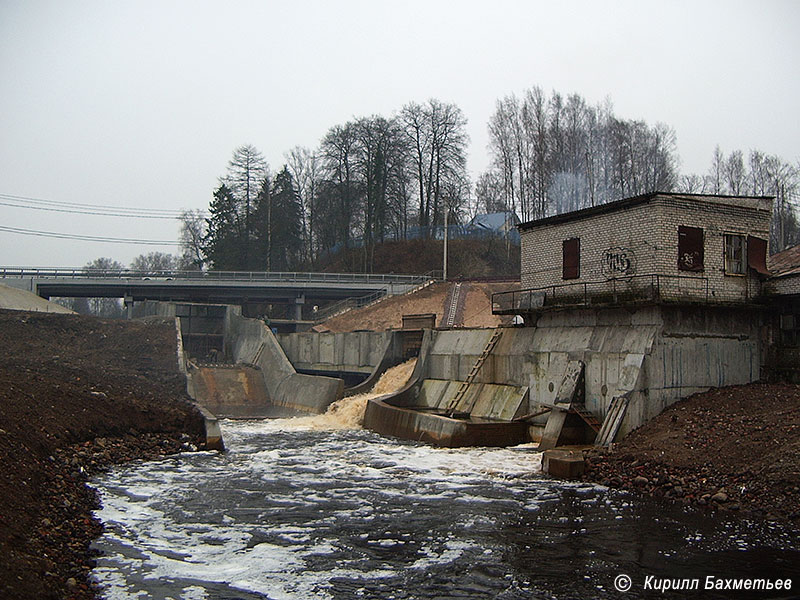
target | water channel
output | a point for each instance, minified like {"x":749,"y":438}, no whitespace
{"x":307,"y":509}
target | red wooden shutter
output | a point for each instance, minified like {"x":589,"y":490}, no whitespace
{"x":757,"y":254}
{"x":690,"y":248}
{"x":571,"y":250}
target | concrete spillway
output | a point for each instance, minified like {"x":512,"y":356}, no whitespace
{"x":236,"y":368}
{"x":492,"y":387}
{"x":651,"y":356}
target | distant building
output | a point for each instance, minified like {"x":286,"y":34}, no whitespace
{"x":500,"y":224}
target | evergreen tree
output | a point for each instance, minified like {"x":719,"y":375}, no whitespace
{"x":262,"y":220}
{"x":286,"y":244}
{"x":223,"y":239}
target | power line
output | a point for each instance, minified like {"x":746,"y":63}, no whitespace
{"x":89,"y":212}
{"x":90,"y":209}
{"x":88,"y":238}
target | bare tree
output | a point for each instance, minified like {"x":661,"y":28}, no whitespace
{"x":154,"y":262}
{"x":110,"y":308}
{"x":246,"y":172}
{"x":193,"y":232}
{"x":306,"y":169}
{"x":436,"y":132}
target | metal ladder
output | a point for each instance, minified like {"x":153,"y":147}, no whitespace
{"x":462,"y":389}
{"x":455,"y":296}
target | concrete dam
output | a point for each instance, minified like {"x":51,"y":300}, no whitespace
{"x":572,"y":378}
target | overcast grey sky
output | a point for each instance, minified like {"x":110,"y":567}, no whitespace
{"x":141,"y":103}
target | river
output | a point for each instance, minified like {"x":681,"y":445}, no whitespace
{"x":307,"y":509}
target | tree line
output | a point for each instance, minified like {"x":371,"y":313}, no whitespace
{"x":376,"y":178}
{"x":371,"y":178}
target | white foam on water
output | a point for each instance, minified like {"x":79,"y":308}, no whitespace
{"x":286,"y":499}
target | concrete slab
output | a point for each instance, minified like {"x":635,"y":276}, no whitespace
{"x":563,"y":464}
{"x":16,"y":299}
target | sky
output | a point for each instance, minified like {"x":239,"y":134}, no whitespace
{"x":140,"y":104}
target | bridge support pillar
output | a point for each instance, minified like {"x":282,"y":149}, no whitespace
{"x":299,"y":301}
{"x":128,"y":303}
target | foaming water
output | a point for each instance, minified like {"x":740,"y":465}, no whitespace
{"x":348,"y":413}
{"x":340,"y":513}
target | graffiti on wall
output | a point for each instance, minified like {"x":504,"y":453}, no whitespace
{"x":618,"y":262}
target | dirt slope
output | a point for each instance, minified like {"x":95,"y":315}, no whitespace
{"x":476,"y":308}
{"x":76,"y":394}
{"x":734,"y":448}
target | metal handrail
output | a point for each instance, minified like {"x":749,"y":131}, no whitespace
{"x":647,"y":287}
{"x":91,"y":273}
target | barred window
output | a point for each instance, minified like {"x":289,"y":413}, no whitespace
{"x":734,"y":254}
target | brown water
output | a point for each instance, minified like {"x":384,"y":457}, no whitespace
{"x":348,"y":413}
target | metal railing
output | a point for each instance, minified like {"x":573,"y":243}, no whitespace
{"x":635,"y":289}
{"x":266,"y":276}
{"x":345,"y":305}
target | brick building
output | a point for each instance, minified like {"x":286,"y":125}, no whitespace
{"x":655,"y":247}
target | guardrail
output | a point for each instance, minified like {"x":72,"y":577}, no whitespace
{"x":638,"y":288}
{"x":90,"y":273}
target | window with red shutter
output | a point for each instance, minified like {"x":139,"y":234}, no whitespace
{"x":571,"y":252}
{"x":757,"y":254}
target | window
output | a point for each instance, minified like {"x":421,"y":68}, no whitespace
{"x":690,"y":248}
{"x":571,"y":254}
{"x":734,"y":254}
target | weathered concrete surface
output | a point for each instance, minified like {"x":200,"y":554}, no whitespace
{"x":482,"y":400}
{"x":356,"y":352}
{"x":655,"y":354}
{"x":438,"y":429}
{"x":251,"y":342}
{"x":563,"y":464}
{"x":213,"y":431}
{"x":233,"y":391}
{"x":12,"y":298}
{"x":416,"y":411}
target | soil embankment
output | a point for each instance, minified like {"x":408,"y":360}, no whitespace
{"x":77,"y":394}
{"x":475,"y":308}
{"x":730,"y":449}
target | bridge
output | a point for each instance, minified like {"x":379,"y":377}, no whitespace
{"x":212,"y":287}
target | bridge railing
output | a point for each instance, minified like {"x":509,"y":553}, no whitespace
{"x":91,"y":273}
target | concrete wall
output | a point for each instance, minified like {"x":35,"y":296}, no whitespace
{"x":357,"y":352}
{"x":250,"y":341}
{"x":655,"y":355}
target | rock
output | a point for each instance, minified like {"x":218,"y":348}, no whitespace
{"x":641,"y":480}
{"x":719,"y":497}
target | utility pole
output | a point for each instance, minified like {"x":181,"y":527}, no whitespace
{"x":444,"y":267}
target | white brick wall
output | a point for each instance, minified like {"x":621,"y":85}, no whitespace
{"x":650,"y":230}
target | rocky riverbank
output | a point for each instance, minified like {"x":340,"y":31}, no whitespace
{"x":77,"y":395}
{"x":728,"y":449}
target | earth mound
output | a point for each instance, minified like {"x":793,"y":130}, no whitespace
{"x":734,"y":448}
{"x":77,"y":394}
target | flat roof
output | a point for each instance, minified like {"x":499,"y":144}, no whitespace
{"x":627,"y":203}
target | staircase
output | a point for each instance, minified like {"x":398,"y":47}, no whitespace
{"x":588,"y":417}
{"x":462,"y":389}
